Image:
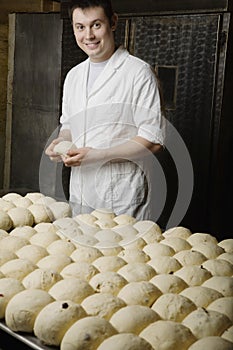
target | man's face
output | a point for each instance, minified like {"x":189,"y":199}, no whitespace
{"x":93,"y":33}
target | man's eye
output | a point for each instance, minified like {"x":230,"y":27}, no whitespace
{"x":79,"y":28}
{"x":96,"y":25}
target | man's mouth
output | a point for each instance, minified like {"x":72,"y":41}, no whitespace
{"x":92,"y":45}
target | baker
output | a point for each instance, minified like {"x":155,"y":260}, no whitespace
{"x":111,"y":111}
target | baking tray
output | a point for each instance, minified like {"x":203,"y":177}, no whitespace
{"x":27,"y":339}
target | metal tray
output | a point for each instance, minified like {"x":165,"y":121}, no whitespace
{"x":27,"y":339}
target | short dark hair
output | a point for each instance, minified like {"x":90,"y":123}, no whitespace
{"x":83,"y":4}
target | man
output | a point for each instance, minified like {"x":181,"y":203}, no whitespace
{"x":111,"y":111}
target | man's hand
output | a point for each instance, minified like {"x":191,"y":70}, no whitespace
{"x":78,"y":156}
{"x":50,"y":150}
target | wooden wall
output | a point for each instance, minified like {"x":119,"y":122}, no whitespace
{"x":7,"y":7}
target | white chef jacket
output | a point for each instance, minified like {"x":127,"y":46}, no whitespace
{"x":123,"y":102}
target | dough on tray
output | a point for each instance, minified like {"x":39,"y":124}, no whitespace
{"x":126,"y":341}
{"x":21,"y":217}
{"x":139,"y":293}
{"x":17,"y":268}
{"x":41,"y":279}
{"x":5,"y":221}
{"x":108,"y":282}
{"x":211,"y":343}
{"x":201,"y":296}
{"x":80,"y":269}
{"x":8,"y":288}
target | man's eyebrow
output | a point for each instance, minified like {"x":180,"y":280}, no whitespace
{"x":94,"y":20}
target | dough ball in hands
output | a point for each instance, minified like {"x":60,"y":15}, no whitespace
{"x":133,"y":318}
{"x":167,"y":335}
{"x":8,"y":288}
{"x":223,"y":305}
{"x":223,"y":284}
{"x":193,"y":275}
{"x":21,"y":216}
{"x":108,"y":282}
{"x":40,"y":213}
{"x":17,"y":268}
{"x":87,"y":334}
{"x":204,"y":323}
{"x":81,"y":270}
{"x":125,"y":341}
{"x":41,"y":279}
{"x":23,"y":308}
{"x":5,"y":221}
{"x":63,"y":147}
{"x":211,"y":343}
{"x":179,"y":231}
{"x":201,"y":296}
{"x":173,"y":307}
{"x":59,"y":316}
{"x":73,"y":289}
{"x":139,"y":293}
{"x":135,"y":272}
{"x":109,"y":263}
{"x":32,"y":252}
{"x":169,"y":283}
{"x":102,"y":305}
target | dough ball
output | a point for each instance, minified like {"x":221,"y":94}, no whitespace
{"x":226,"y":256}
{"x":165,"y":264}
{"x":139,"y":293}
{"x":126,"y":231}
{"x":108,"y":249}
{"x":109,"y":263}
{"x":158,"y":249}
{"x":105,"y":223}
{"x":124,"y":219}
{"x":81,"y":269}
{"x":135,"y":272}
{"x":204,"y":323}
{"x":23,"y":308}
{"x":223,"y":305}
{"x":45,"y":227}
{"x":167,"y":335}
{"x":60,"y":210}
{"x":5,"y":205}
{"x":201,"y":296}
{"x":45,"y":200}
{"x":41,"y":279}
{"x":17,"y":268}
{"x":40,"y":213}
{"x":8,"y":288}
{"x":87,"y":334}
{"x":11,"y":197}
{"x":125,"y":341}
{"x":179,"y":231}
{"x":63,"y":147}
{"x":5,"y":221}
{"x":169,"y":283}
{"x":108,"y":235}
{"x":71,"y":288}
{"x":173,"y":307}
{"x":193,"y":275}
{"x":103,"y":305}
{"x":134,"y":255}
{"x":22,"y":202}
{"x":149,"y":231}
{"x":61,"y":247}
{"x":228,"y":334}
{"x":24,"y":232}
{"x":34,"y":196}
{"x":210,"y":250}
{"x":32,"y":252}
{"x":21,"y":217}
{"x":84,"y":239}
{"x":218,"y":267}
{"x":133,"y":318}
{"x":177,"y":243}
{"x":223,"y":284}
{"x":189,"y":257}
{"x":199,"y":238}
{"x":54,"y":262}
{"x":86,"y":254}
{"x":1,"y":275}
{"x":59,"y":316}
{"x":137,"y":243}
{"x":227,"y":245}
{"x":108,"y":282}
{"x":43,"y":239}
{"x":211,"y":343}
{"x":13,"y":243}
{"x":3,"y":234}
{"x":87,"y":223}
{"x":6,"y":255}
{"x":102,"y":214}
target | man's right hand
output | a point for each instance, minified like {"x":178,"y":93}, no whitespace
{"x":50,"y":150}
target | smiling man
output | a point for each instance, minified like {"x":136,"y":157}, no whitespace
{"x":112,"y":113}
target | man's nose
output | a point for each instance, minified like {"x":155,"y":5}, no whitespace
{"x":89,"y":33}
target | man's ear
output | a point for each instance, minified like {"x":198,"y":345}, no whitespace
{"x":114,"y":21}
